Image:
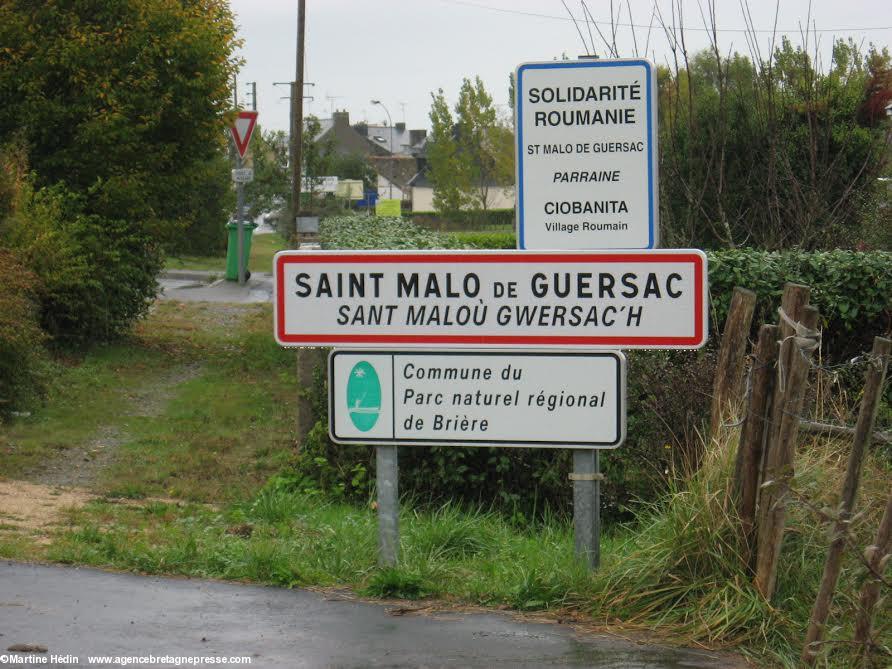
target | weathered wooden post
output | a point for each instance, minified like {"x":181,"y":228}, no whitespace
{"x":876,"y":375}
{"x":878,"y":556}
{"x":752,"y":434}
{"x":729,"y":369}
{"x":778,"y":471}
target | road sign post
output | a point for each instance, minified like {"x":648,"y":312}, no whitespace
{"x":241,"y":134}
{"x":586,"y":479}
{"x":387,"y":480}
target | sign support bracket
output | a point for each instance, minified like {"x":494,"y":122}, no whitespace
{"x":586,"y":479}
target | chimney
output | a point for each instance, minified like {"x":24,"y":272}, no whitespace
{"x":415,"y":136}
{"x":341,"y":118}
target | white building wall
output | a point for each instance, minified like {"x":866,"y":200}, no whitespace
{"x":384,"y":189}
{"x":501,"y":197}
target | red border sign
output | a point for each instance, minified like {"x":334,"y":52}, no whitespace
{"x":242,"y":141}
{"x":431,"y":261}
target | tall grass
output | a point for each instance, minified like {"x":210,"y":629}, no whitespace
{"x":683,"y":565}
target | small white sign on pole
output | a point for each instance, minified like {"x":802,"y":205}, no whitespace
{"x":243,"y":175}
{"x":586,"y":149}
{"x":477,"y":398}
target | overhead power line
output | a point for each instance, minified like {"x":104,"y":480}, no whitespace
{"x":553,"y":17}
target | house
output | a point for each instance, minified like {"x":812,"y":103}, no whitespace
{"x":422,"y":194}
{"x":392,"y":152}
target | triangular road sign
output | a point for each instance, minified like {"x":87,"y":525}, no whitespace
{"x":241,"y":131}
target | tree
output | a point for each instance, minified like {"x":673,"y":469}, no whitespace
{"x":127,"y":95}
{"x":769,"y":151}
{"x":471,"y":154}
{"x":272,"y":182}
{"x":120,"y":109}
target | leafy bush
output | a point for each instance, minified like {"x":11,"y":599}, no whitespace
{"x":21,"y":350}
{"x":486,"y":240}
{"x":475,"y":219}
{"x":852,"y":289}
{"x":96,"y":274}
{"x":372,"y":232}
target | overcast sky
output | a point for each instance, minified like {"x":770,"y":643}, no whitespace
{"x":399,"y":51}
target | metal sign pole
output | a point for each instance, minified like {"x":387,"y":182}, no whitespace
{"x":239,"y":214}
{"x":586,"y":479}
{"x":388,"y":505}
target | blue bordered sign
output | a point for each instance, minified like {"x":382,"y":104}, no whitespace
{"x":586,"y":155}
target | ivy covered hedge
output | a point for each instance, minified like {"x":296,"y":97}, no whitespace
{"x":853,"y":290}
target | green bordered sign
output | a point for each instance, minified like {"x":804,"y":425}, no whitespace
{"x":478,"y":398}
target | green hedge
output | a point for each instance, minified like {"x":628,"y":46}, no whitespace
{"x":463,"y":220}
{"x":486,"y":240}
{"x":853,"y":290}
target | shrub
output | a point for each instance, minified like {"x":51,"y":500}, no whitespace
{"x":852,"y":289}
{"x":486,"y":240}
{"x":373,"y":232}
{"x":464,"y":220}
{"x":21,"y":351}
{"x":96,"y":274}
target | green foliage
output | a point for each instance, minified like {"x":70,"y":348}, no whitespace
{"x":372,"y":232}
{"x":852,"y":289}
{"x":21,"y":353}
{"x":771,"y":153}
{"x":486,"y":240}
{"x":466,"y":219}
{"x":271,"y":187}
{"x":471,"y":154}
{"x":396,"y":583}
{"x":125,"y":105}
{"x":136,"y":87}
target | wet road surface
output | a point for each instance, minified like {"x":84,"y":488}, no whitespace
{"x":76,"y":612}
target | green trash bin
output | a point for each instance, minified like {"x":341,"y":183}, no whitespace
{"x":232,"y":249}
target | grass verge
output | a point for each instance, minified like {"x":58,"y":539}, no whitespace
{"x":263,"y":248}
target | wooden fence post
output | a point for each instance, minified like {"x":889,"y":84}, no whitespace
{"x":778,"y":470}
{"x":729,"y":369}
{"x":873,"y":385}
{"x":794,"y":300}
{"x":752,"y":434}
{"x":877,"y":557}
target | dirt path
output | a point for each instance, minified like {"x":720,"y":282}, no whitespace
{"x":80,"y":464}
{"x":37,"y":503}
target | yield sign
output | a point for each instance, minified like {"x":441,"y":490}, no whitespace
{"x":241,"y":131}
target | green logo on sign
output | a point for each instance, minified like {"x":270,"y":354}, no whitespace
{"x":364,"y":396}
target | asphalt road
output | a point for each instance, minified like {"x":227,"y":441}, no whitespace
{"x":76,"y":613}
{"x":194,"y":286}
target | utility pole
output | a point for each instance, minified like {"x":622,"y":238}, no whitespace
{"x":306,"y":357}
{"x":253,"y":87}
{"x":297,"y":111}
